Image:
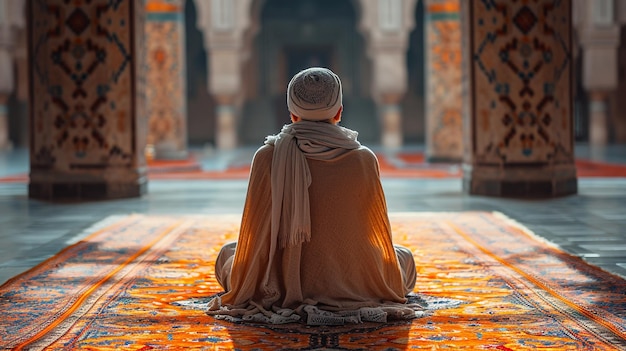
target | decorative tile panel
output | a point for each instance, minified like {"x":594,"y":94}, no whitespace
{"x":443,"y":76}
{"x":84,"y":106}
{"x":166,"y":97}
{"x":521,"y":56}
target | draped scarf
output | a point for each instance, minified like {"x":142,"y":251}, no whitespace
{"x":291,"y":177}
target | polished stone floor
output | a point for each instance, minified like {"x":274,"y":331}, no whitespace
{"x":591,"y":224}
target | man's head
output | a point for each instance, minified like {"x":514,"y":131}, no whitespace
{"x":315,"y":95}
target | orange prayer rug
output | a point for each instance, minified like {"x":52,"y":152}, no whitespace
{"x":486,"y":283}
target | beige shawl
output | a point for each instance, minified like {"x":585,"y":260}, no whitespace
{"x":291,"y":221}
{"x":349,"y":264}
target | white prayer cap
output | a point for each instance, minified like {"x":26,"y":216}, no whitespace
{"x":314,"y":94}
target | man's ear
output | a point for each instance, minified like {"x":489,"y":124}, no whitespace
{"x":294,"y":118}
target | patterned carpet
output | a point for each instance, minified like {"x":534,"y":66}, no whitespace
{"x":485,"y":281}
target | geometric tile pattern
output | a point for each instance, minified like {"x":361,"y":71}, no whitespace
{"x":85,"y":109}
{"x":443,"y":75}
{"x":165,"y":92}
{"x":521,"y":82}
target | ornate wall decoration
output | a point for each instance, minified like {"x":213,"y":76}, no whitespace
{"x":444,"y":123}
{"x":84,"y":106}
{"x":166,"y":89}
{"x":88,"y":125}
{"x":521,"y":82}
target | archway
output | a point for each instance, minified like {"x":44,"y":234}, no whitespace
{"x":294,"y":35}
{"x":413,"y":118}
{"x":200,"y":104}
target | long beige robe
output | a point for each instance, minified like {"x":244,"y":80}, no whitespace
{"x":350,"y":261}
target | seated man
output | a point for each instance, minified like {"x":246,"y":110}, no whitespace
{"x":315,"y":239}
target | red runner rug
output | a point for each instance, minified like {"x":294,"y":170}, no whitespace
{"x":486,"y":283}
{"x":398,"y":165}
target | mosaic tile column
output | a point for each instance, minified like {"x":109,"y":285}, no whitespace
{"x":166,"y":102}
{"x":7,"y":84}
{"x":87,"y":118}
{"x":5,"y":143}
{"x":518,"y":119}
{"x":444,"y":122}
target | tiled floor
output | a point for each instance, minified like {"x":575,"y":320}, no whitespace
{"x":591,"y":224}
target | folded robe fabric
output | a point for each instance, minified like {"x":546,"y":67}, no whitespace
{"x":348,"y":264}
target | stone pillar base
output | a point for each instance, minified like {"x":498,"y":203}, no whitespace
{"x":598,"y":119}
{"x":391,"y":116}
{"x":520,"y":182}
{"x":82,"y":191}
{"x":226,"y":138}
{"x":442,"y":159}
{"x":169,"y":154}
